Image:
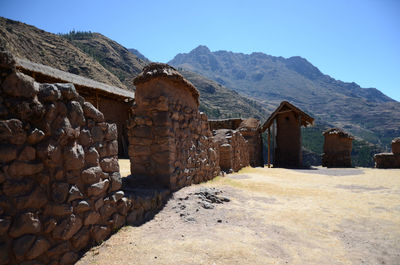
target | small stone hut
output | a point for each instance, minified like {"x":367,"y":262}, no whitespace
{"x":286,"y":122}
{"x":170,"y":141}
{"x":337,"y":148}
{"x":113,"y":102}
{"x":250,"y":129}
{"x":233,"y":150}
{"x":389,"y":160}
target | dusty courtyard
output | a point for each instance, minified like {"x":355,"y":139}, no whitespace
{"x":269,"y":216}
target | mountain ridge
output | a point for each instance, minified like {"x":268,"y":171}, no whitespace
{"x":270,"y":79}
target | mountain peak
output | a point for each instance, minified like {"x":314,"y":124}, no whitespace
{"x":201,"y":49}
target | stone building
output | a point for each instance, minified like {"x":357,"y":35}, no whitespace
{"x":250,"y":129}
{"x":233,"y":150}
{"x":286,"y":122}
{"x":337,"y":148}
{"x":113,"y":102}
{"x":170,"y":142}
{"x":389,"y":160}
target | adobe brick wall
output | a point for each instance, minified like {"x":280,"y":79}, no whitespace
{"x":337,"y":148}
{"x":169,"y":139}
{"x":60,"y":187}
{"x":233,"y":150}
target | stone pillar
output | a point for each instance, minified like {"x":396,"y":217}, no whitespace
{"x":337,"y":148}
{"x":251,"y":131}
{"x":169,"y":138}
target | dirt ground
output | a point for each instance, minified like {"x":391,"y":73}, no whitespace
{"x":270,"y":216}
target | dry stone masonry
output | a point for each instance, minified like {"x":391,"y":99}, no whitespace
{"x":250,"y":130}
{"x":233,"y":150}
{"x":170,"y":142}
{"x":337,"y":148}
{"x":60,"y":187}
{"x":389,"y":160}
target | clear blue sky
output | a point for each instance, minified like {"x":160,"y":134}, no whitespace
{"x":350,"y":40}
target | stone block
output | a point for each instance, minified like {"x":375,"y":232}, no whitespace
{"x":74,"y":157}
{"x":97,"y":134}
{"x":92,"y":113}
{"x":98,"y":188}
{"x":12,"y":132}
{"x":74,"y":193}
{"x":4,"y":226}
{"x":40,"y":246}
{"x":81,"y":207}
{"x":36,"y":200}
{"x":22,"y":245}
{"x":111,"y":132}
{"x":75,"y":114}
{"x":59,"y":192}
{"x":92,"y":175}
{"x":91,"y":218}
{"x":69,"y":258}
{"x":21,"y":168}
{"x":17,"y":187}
{"x":67,"y":228}
{"x":27,"y":154}
{"x":35,"y":136}
{"x":81,"y":239}
{"x":116,"y":181}
{"x":109,"y":165}
{"x":68,"y":91}
{"x":7,"y":153}
{"x":99,"y":233}
{"x":26,"y":223}
{"x":49,"y":93}
{"x":59,"y":210}
{"x":20,"y":85}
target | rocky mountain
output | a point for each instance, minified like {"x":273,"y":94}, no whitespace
{"x":95,"y":56}
{"x":365,"y":112}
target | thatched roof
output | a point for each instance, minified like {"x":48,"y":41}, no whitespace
{"x":162,"y":70}
{"x":43,"y":73}
{"x":306,"y":120}
{"x":339,"y":132}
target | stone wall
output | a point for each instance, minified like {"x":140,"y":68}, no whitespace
{"x":389,"y":160}
{"x":251,"y":131}
{"x":337,"y":148}
{"x":233,"y":150}
{"x":231,"y":124}
{"x":169,"y":139}
{"x":288,"y":141}
{"x":60,"y":187}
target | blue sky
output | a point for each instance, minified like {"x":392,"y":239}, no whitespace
{"x":350,"y":40}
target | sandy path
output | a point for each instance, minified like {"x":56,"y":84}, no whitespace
{"x":274,"y":216}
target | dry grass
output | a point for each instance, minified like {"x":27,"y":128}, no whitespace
{"x":276,"y":216}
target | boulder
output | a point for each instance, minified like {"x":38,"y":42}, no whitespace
{"x":22,"y":245}
{"x":109,"y":165}
{"x":75,"y":114}
{"x":81,"y":239}
{"x":98,"y":188}
{"x":99,"y":233}
{"x":12,"y":132}
{"x":49,"y":93}
{"x":68,"y":91}
{"x":59,"y":191}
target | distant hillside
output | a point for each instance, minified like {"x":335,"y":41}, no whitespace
{"x":95,"y":56}
{"x":366,"y":112}
{"x":42,"y":47}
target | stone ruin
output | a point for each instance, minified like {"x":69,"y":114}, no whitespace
{"x":233,"y":153}
{"x":389,"y":160}
{"x":337,"y":148}
{"x":60,"y":186}
{"x":170,"y":140}
{"x":233,"y":150}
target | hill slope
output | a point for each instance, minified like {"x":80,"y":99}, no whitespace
{"x":95,"y":56}
{"x":366,"y":112}
{"x":42,"y":47}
